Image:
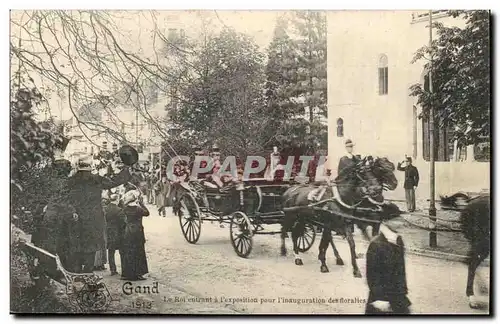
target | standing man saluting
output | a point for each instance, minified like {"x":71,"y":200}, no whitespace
{"x":411,"y":182}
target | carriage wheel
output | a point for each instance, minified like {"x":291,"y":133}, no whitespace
{"x":189,"y":218}
{"x":241,"y":234}
{"x":306,"y":237}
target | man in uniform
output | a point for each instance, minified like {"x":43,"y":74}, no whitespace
{"x":411,"y":182}
{"x":84,"y":193}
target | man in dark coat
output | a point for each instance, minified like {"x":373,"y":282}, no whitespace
{"x":57,"y":224}
{"x":85,"y":190}
{"x":411,"y":182}
{"x":347,"y":163}
{"x":385,"y":271}
{"x":115,"y":227}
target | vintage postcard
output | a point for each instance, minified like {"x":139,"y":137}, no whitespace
{"x":250,"y":162}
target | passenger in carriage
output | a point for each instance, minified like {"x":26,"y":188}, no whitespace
{"x":214,"y":175}
{"x":181,"y":172}
{"x":275,"y":169}
{"x":203,"y":164}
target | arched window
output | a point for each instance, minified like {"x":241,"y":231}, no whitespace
{"x":383,"y":75}
{"x":340,"y":127}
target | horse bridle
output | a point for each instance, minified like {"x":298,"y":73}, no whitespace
{"x":363,"y":181}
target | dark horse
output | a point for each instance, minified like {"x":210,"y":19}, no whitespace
{"x":475,"y":225}
{"x":362,"y":199}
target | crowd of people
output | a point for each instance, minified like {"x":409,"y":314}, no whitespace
{"x":92,"y":215}
{"x":84,"y":229}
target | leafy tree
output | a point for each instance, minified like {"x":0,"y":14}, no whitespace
{"x":281,"y":75}
{"x":32,"y":147}
{"x":311,"y":30}
{"x":224,"y":102}
{"x":296,"y":80}
{"x":460,"y":76}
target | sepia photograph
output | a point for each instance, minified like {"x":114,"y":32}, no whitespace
{"x":250,"y":162}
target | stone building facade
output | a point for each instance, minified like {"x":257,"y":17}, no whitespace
{"x":369,"y":76}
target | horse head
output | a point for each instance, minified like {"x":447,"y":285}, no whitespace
{"x":375,"y":175}
{"x":383,"y":169}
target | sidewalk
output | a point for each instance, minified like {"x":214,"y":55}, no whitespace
{"x":451,"y":245}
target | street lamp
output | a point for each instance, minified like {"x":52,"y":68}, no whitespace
{"x":432,"y":206}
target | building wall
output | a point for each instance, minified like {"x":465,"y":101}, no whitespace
{"x":122,"y":120}
{"x":384,"y":125}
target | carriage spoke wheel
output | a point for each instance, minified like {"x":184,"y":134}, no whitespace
{"x":189,"y":218}
{"x":241,"y":233}
{"x":306,"y":237}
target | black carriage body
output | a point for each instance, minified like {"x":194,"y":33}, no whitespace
{"x":245,"y":208}
{"x":256,"y":198}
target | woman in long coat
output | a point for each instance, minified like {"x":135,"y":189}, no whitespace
{"x":134,"y":263}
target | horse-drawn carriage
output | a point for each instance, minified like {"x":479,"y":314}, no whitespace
{"x":298,"y":208}
{"x":246,"y":207}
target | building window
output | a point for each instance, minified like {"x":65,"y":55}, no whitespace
{"x":383,"y":75}
{"x":340,"y":127}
